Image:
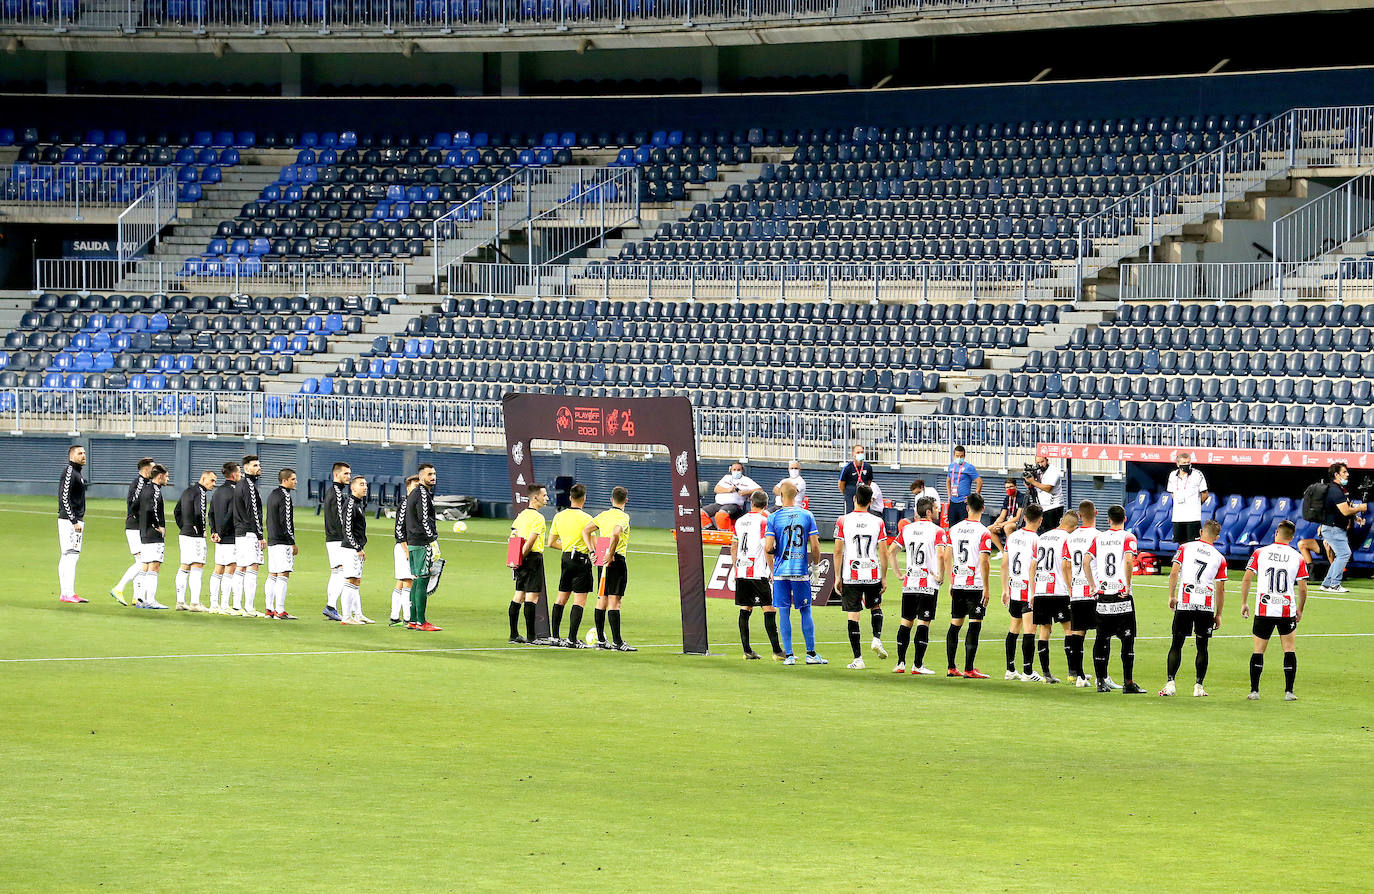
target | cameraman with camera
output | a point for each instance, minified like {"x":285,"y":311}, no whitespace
{"x":1048,"y":483}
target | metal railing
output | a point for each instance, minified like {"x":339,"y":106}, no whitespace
{"x":598,"y":201}
{"x":766,"y":281}
{"x":477,"y":222}
{"x":487,"y":16}
{"x":70,"y":190}
{"x":248,"y":276}
{"x":1327,"y":222}
{"x":818,"y":437}
{"x":1320,"y":280}
{"x":1338,"y":136}
{"x":141,"y":223}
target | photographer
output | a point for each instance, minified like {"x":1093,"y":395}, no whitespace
{"x":1335,"y":527}
{"x":1048,"y":482}
{"x":731,"y":492}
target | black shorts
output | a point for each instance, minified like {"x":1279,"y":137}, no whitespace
{"x":1050,"y":610}
{"x":753,"y":592}
{"x":575,"y":575}
{"x":1191,"y":622}
{"x":1083,"y":614}
{"x":1187,"y":532}
{"x":1116,"y":621}
{"x":918,"y":605}
{"x":1018,"y":608}
{"x":857,"y":597}
{"x":617,"y":575}
{"x":967,"y":604}
{"x":1051,"y":519}
{"x":529,"y":577}
{"x":1264,"y":627}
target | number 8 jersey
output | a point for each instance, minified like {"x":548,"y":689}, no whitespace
{"x":1278,"y":568}
{"x":861,"y":532}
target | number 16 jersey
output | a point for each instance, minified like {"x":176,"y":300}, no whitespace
{"x":921,"y":540}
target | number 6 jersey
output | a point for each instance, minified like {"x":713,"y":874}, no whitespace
{"x":1277,"y":568}
{"x":861,"y":532}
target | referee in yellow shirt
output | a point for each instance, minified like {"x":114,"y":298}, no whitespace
{"x":575,"y":576}
{"x":529,"y":526}
{"x":615,"y":524}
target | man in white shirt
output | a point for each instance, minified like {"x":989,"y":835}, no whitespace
{"x":794,"y":475}
{"x":1189,"y":490}
{"x":732,"y":491}
{"x":1049,"y":492}
{"x":919,"y":490}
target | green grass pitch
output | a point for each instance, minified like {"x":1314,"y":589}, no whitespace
{"x":191,"y":753}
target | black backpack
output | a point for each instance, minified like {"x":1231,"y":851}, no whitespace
{"x":1314,"y":502}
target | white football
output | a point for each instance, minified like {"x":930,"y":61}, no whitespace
{"x":460,"y":527}
{"x":591,"y":636}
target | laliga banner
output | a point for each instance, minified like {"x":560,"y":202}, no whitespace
{"x":620,"y":420}
{"x":720,"y":582}
{"x":1207,"y":456}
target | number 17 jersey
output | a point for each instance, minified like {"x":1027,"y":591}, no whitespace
{"x":861,"y":532}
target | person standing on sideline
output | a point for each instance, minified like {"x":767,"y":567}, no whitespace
{"x":220,"y":523}
{"x":192,"y":547}
{"x":860,"y":571}
{"x":400,"y":557}
{"x":732,"y":490}
{"x":152,"y":527}
{"x":1279,"y":604}
{"x":422,"y":542}
{"x":919,"y":491}
{"x":1049,"y":487}
{"x":1335,"y":527}
{"x":1189,"y":490}
{"x":963,"y":479}
{"x":793,"y":544}
{"x":855,"y":472}
{"x":615,"y":524}
{"x":971,"y":549}
{"x":1116,"y":549}
{"x":1197,"y":590}
{"x":751,"y":576}
{"x":281,"y":544}
{"x":575,"y":568}
{"x":337,"y":508}
{"x":354,"y":545}
{"x":131,"y":533}
{"x":248,"y":533}
{"x":529,"y":526}
{"x":794,"y":475}
{"x":71,"y":515}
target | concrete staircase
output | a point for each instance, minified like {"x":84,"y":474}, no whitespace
{"x":13,"y":306}
{"x":197,"y":222}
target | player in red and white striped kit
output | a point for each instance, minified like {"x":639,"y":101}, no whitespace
{"x":1280,"y":597}
{"x":927,"y":566}
{"x":1082,"y":545}
{"x":1051,"y":603}
{"x":860,"y":566}
{"x":1116,"y":549}
{"x":752,"y":586}
{"x":970,"y":548}
{"x":1019,"y":561}
{"x":1197,"y":591}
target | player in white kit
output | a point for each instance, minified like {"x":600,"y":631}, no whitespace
{"x":1116,"y":549}
{"x":971,"y":554}
{"x":927,"y":567}
{"x":1280,"y":598}
{"x":752,"y":586}
{"x":1019,"y":567}
{"x":1197,"y":590}
{"x":860,"y":563}
{"x":1051,"y":604}
{"x":1082,"y":590}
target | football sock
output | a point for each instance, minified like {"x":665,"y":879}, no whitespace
{"x":250,"y":589}
{"x":574,"y":621}
{"x":1042,"y":649}
{"x":808,"y":626}
{"x":556,"y":620}
{"x":744,"y":629}
{"x":127,"y":577}
{"x":66,"y":574}
{"x":395,"y":604}
{"x":1102,"y":655}
{"x":1256,"y":669}
{"x":236,"y":589}
{"x":513,"y":610}
{"x":1011,"y":652}
{"x":419,"y":613}
{"x":1201,"y":664}
{"x":1127,"y":657}
{"x":530,"y":610}
{"x":193,"y":578}
{"x":1076,"y":647}
{"x":922,"y":641}
{"x":876,"y":619}
{"x":903,"y":642}
{"x":1027,"y":652}
{"x":785,"y":627}
{"x":975,"y":630}
{"x":215,"y":580}
{"x":353,"y":600}
{"x":335,"y":587}
{"x":282,"y":584}
{"x":1175,"y":659}
{"x":770,"y":624}
{"x":1290,"y":670}
{"x":407,"y":601}
{"x":1068,"y":654}
{"x":613,"y":615}
{"x":179,"y":582}
{"x":599,"y":616}
{"x":853,"y":627}
{"x":137,"y":586}
{"x":951,"y":645}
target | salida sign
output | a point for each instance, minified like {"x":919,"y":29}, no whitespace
{"x":720,"y":580}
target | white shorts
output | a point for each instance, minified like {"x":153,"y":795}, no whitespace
{"x":338,"y":556}
{"x":226,"y":553}
{"x":280,"y":558}
{"x":402,"y":554}
{"x":353,"y":563}
{"x":152,"y":552}
{"x":193,"y":549}
{"x":249,"y":551}
{"x":68,"y":537}
{"x":135,"y":541}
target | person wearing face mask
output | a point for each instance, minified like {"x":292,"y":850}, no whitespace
{"x":1189,"y":490}
{"x":732,"y":491}
{"x":1335,"y":527}
{"x":1009,"y":519}
{"x":794,"y":476}
{"x":855,"y":472}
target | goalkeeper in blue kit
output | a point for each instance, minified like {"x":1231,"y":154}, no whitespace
{"x":793,"y":542}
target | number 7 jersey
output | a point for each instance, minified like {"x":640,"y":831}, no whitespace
{"x":861,"y":533}
{"x":1201,"y":565}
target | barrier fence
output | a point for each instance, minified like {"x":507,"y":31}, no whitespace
{"x":71,"y":190}
{"x":249,"y":276}
{"x":1327,"y":222}
{"x":1324,"y":280}
{"x":140,"y":223}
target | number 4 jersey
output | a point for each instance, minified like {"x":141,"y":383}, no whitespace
{"x":861,"y":533}
{"x":1277,"y":568}
{"x":969,"y":541}
{"x":921,"y":540}
{"x":751,"y":562}
{"x":1201,"y":565}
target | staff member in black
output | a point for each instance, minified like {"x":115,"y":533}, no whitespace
{"x":220,"y":523}
{"x":145,"y":467}
{"x":281,"y":544}
{"x":191,"y":546}
{"x":152,"y":529}
{"x":855,"y":472}
{"x":71,"y":514}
